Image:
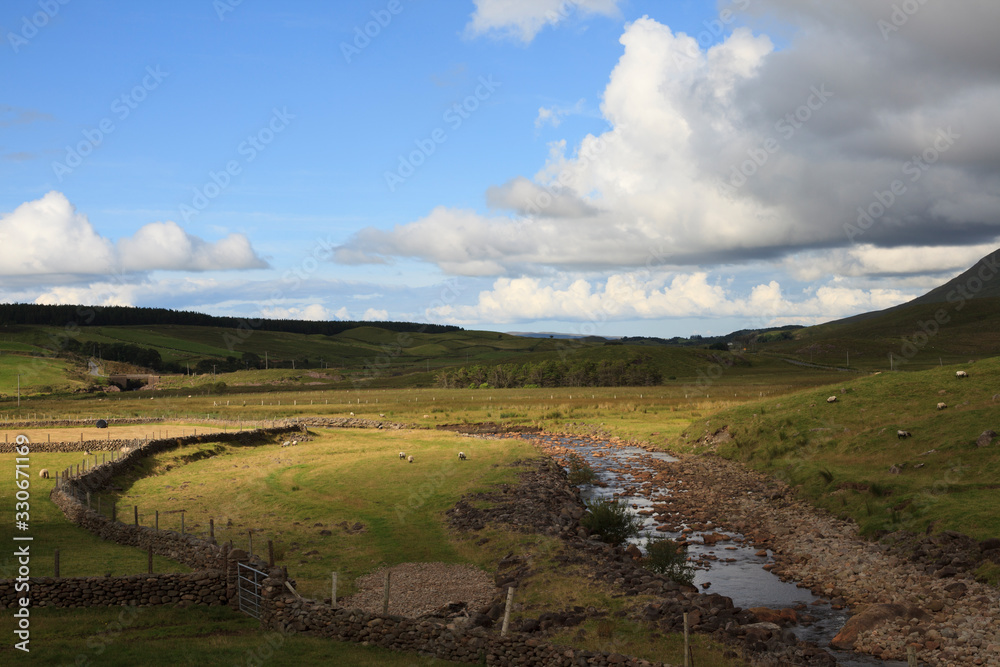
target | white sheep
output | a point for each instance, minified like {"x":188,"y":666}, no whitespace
{"x":352,"y":414}
{"x":44,"y":473}
{"x":461,"y":455}
{"x":942,"y":406}
{"x":381,"y":416}
{"x":402,"y":455}
{"x":409,"y":459}
{"x":832,"y":399}
{"x":961,"y":374}
{"x":903,"y":434}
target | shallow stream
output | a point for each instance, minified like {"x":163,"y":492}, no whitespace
{"x":728,"y":567}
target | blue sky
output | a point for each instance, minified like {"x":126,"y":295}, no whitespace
{"x":497,"y":164}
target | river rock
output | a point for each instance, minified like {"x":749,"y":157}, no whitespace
{"x":870,"y":618}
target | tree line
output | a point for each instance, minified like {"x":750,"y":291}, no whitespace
{"x":111,"y":316}
{"x":635,"y":372}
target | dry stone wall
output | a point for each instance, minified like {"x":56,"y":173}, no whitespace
{"x":213,"y":583}
{"x":208,"y":587}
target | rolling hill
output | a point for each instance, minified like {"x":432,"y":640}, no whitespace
{"x":954,"y":322}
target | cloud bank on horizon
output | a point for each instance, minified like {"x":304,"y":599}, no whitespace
{"x":792,"y":161}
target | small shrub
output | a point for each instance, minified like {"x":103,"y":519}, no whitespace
{"x":665,"y":556}
{"x":988,"y":573}
{"x":611,"y":520}
{"x":580,"y":471}
{"x":879,"y":490}
{"x":605,"y":628}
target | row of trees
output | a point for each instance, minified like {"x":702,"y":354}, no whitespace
{"x":636,"y":372}
{"x":109,"y":316}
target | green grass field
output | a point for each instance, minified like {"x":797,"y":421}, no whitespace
{"x":129,"y":636}
{"x":840,"y":454}
{"x":38,"y":375}
{"x":80,"y":552}
{"x":289,"y":495}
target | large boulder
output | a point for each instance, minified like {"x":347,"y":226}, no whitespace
{"x":870,"y":617}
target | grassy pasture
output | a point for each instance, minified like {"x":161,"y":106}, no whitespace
{"x":290,"y":494}
{"x":840,"y":454}
{"x":39,"y":375}
{"x":195,"y":636}
{"x":80,"y":552}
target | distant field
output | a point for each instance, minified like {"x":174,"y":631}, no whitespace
{"x":38,"y":375}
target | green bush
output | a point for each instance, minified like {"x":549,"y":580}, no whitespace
{"x":611,"y":520}
{"x":988,"y":573}
{"x":665,"y":556}
{"x":580,"y":471}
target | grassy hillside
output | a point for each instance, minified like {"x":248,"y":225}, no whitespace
{"x":840,"y":454}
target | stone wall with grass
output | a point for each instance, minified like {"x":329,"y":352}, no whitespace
{"x":208,"y":587}
{"x":213,"y":582}
{"x":60,"y":423}
{"x":445,"y":640}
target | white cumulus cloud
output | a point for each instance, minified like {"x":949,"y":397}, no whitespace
{"x":48,"y":236}
{"x":524,"y":19}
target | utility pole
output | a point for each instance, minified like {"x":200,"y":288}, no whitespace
{"x":213,"y":371}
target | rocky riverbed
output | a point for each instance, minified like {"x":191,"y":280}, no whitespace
{"x":921,"y":597}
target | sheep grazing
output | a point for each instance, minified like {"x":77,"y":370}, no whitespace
{"x":352,"y":414}
{"x":461,"y":455}
{"x":903,"y":434}
{"x":832,"y":399}
{"x":961,"y":374}
{"x":942,"y":406}
{"x":402,"y":455}
{"x":44,"y":473}
{"x":87,"y":452}
{"x":381,"y":415}
{"x":409,"y":459}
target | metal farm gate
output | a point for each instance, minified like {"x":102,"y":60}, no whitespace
{"x":248,"y":584}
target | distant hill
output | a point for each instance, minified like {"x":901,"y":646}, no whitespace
{"x":109,"y":316}
{"x":953,"y":322}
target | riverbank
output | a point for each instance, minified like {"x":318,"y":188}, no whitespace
{"x":956,"y":617}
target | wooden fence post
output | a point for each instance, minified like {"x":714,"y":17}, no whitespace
{"x":911,"y":656}
{"x":157,"y":524}
{"x":211,"y":528}
{"x":506,"y":611}
{"x":687,"y":647}
{"x":135,"y":512}
{"x":250,"y":542}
